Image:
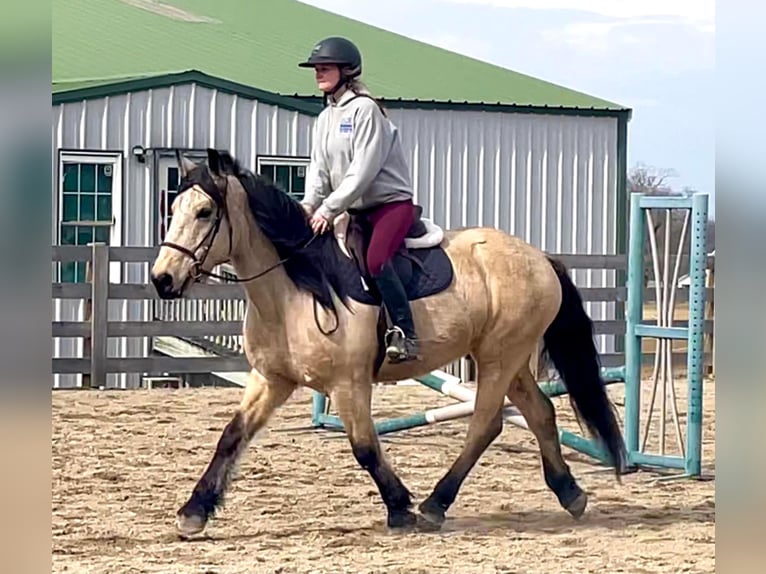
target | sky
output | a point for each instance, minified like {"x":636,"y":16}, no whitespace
{"x":654,"y":56}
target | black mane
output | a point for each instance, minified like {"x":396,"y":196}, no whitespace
{"x":313,"y":267}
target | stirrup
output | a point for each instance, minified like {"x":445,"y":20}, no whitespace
{"x":398,"y":347}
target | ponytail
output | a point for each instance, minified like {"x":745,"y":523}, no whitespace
{"x":359,"y":87}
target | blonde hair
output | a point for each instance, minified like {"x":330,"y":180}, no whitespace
{"x":359,"y":87}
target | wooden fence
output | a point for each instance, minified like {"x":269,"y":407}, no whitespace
{"x":211,"y":316}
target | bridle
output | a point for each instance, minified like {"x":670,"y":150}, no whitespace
{"x":197,"y":271}
{"x":204,"y":245}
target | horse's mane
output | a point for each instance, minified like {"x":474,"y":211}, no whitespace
{"x":314,"y":266}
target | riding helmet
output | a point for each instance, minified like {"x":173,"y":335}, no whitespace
{"x":339,"y":51}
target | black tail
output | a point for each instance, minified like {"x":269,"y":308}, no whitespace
{"x":569,"y":344}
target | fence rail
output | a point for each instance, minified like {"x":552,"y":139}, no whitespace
{"x":211,"y":315}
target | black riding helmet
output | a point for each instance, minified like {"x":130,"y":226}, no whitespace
{"x":339,"y":51}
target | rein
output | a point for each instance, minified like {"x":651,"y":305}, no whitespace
{"x":207,"y":241}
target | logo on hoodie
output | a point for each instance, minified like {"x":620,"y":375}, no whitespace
{"x":346,"y":125}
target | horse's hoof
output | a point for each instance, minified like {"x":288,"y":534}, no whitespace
{"x":433,"y":514}
{"x":401,"y":520}
{"x":577,"y":507}
{"x":189,"y":525}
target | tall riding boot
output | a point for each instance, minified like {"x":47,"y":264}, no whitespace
{"x":401,"y":340}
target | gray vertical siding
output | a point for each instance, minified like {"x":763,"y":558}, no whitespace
{"x":548,"y":179}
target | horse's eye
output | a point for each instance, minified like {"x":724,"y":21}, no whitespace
{"x":204,"y":213}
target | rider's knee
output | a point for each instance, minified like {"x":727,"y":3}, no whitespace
{"x":375,"y":263}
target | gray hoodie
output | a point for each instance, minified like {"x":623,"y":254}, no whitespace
{"x":357,"y":160}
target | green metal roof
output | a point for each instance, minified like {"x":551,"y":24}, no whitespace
{"x":256,"y":45}
{"x":78,"y":90}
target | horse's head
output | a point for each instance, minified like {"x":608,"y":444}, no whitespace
{"x":200,"y":235}
{"x":219,"y":205}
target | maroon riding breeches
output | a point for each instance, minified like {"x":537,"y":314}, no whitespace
{"x":390,"y":223}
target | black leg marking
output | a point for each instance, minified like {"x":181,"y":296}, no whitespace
{"x":395,"y":495}
{"x":208,"y":493}
{"x":570,"y":495}
{"x":435,"y":507}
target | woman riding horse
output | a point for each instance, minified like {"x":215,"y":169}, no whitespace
{"x":358,"y":165}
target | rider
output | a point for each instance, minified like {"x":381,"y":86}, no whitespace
{"x":358,"y":165}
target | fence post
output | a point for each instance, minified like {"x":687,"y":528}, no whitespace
{"x":695,"y":347}
{"x":99,"y":313}
{"x":709,"y":338}
{"x":87,"y":317}
{"x":633,"y":317}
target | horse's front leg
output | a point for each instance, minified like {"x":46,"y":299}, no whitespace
{"x":262,"y":397}
{"x":353,"y":402}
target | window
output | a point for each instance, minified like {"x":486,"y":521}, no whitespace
{"x":288,"y":173}
{"x":166,"y":187}
{"x":168,"y":192}
{"x":89,"y":188}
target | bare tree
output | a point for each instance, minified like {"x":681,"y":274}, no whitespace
{"x":648,"y":179}
{"x":651,"y":180}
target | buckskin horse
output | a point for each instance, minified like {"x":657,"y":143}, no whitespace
{"x":312,"y":320}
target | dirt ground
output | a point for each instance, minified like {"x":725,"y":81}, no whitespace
{"x":124,"y":461}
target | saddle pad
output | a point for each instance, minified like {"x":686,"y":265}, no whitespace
{"x":435,"y":276}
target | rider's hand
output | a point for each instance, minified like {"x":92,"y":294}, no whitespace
{"x":319,"y":224}
{"x":307,"y":209}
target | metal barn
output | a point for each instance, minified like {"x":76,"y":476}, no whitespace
{"x":549,"y":166}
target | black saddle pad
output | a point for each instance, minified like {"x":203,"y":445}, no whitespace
{"x":431,"y":273}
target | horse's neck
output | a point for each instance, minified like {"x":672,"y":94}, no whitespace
{"x":269,"y":293}
{"x":272,"y":304}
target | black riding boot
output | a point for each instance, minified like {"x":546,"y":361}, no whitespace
{"x":401,"y":340}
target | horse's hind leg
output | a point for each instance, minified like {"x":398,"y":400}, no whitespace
{"x":262,"y":397}
{"x":354,"y":408}
{"x":494,"y":377}
{"x":540,"y":415}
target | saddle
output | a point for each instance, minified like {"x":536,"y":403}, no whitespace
{"x":353,"y":235}
{"x":421,"y":262}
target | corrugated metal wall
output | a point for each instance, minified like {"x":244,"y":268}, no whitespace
{"x":549,"y":179}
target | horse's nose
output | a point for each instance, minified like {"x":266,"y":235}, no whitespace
{"x":163,"y":283}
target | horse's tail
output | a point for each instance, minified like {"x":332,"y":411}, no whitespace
{"x":569,"y":344}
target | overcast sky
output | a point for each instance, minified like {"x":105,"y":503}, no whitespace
{"x":655,"y":56}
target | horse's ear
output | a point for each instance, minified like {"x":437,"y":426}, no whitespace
{"x":227,"y":163}
{"x":185,"y":165}
{"x":214,"y":162}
